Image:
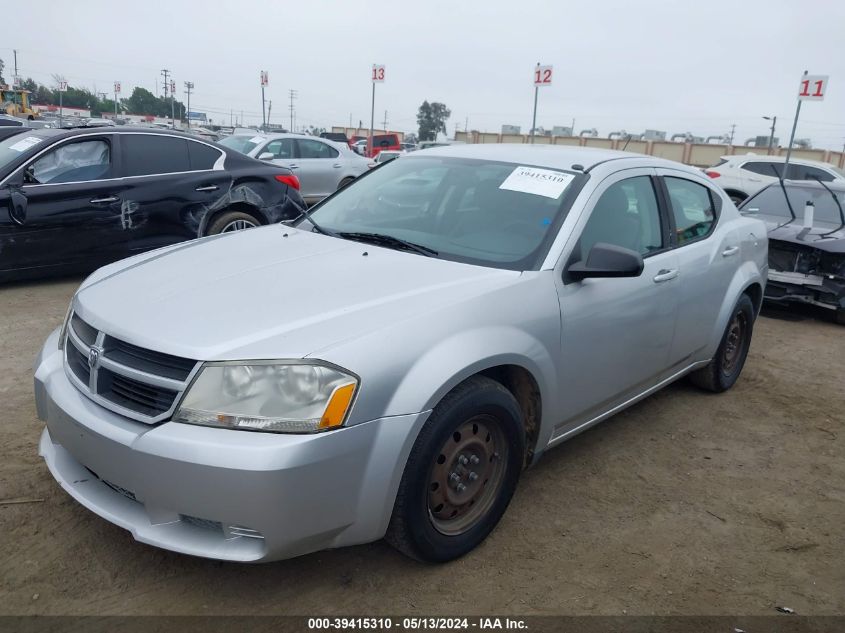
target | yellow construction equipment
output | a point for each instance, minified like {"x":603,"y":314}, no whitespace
{"x":15,"y":102}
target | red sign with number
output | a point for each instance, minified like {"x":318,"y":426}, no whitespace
{"x":378,"y":74}
{"x":812,"y":87}
{"x":543,"y":75}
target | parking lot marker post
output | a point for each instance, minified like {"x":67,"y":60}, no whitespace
{"x":811,"y":88}
{"x":542,"y":77}
{"x":378,"y":77}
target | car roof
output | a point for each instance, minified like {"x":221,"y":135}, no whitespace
{"x":834,"y":185}
{"x":122,"y":129}
{"x":554,"y":156}
{"x":776,"y":159}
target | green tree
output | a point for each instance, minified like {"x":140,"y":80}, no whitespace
{"x":432,"y":119}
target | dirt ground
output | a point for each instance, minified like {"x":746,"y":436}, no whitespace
{"x":688,"y":503}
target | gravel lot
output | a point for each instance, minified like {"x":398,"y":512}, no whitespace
{"x":688,"y":503}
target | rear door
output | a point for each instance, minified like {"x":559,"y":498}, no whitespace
{"x":320,"y":168}
{"x":173,"y":183}
{"x":72,"y":211}
{"x":708,"y":258}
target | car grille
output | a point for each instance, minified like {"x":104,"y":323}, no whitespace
{"x":139,"y":383}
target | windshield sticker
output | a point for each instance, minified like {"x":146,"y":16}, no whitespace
{"x":256,"y":139}
{"x":540,"y":182}
{"x":25,"y":143}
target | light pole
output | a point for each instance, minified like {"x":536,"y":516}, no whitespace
{"x":774,"y":121}
{"x":189,"y":85}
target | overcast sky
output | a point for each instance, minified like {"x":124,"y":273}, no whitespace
{"x":673,"y":65}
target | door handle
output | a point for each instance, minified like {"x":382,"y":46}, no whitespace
{"x":207,"y":188}
{"x":108,"y":200}
{"x":731,"y":250}
{"x":337,"y":165}
{"x":293,"y":166}
{"x":665,"y":275}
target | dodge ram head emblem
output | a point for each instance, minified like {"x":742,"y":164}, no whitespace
{"x":94,"y":357}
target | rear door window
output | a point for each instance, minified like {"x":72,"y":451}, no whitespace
{"x":772,"y":170}
{"x":315,"y":149}
{"x":281,"y":148}
{"x":806,"y":172}
{"x":692,"y":208}
{"x":202,"y":156}
{"x":147,"y":154}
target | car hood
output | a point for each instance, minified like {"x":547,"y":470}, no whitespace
{"x":271,"y":292}
{"x":826,"y":236}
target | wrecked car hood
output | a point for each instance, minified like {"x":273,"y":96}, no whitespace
{"x":271,"y":292}
{"x":826,"y":236}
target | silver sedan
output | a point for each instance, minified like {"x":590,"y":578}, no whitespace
{"x":322,"y":166}
{"x":389,"y":366}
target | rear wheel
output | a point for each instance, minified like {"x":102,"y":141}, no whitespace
{"x":461,"y":473}
{"x":736,"y":198}
{"x":344,"y":182}
{"x":231,"y":221}
{"x":724,"y":370}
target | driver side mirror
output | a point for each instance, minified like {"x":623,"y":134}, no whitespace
{"x":266,"y":156}
{"x":607,"y":260}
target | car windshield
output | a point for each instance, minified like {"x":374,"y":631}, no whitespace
{"x":475,"y":211}
{"x":243,"y":143}
{"x":770,"y":201}
{"x":13,"y":146}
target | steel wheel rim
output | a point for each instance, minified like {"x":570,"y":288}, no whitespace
{"x":734,"y":342}
{"x":238,"y":225}
{"x":466,"y":475}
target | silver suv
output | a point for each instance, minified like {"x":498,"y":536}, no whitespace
{"x":743,"y":176}
{"x":388,"y":366}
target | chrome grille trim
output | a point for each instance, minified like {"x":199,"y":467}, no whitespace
{"x":153,"y":398}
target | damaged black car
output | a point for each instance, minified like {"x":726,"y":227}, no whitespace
{"x":806,"y":228}
{"x":74,"y":200}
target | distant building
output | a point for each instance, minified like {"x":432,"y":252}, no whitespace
{"x":66,"y":111}
{"x":561,"y":130}
{"x":511,"y":129}
{"x":654,"y":135}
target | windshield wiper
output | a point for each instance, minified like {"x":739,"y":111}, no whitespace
{"x":786,"y":197}
{"x":306,"y":213}
{"x":389,"y":241}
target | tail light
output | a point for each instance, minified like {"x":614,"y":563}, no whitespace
{"x":289,"y":179}
{"x":712,"y":174}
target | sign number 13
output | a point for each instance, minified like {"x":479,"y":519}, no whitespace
{"x":378,"y":74}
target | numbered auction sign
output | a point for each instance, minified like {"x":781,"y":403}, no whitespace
{"x":812,"y":87}
{"x":117,"y":87}
{"x":378,"y":74}
{"x":62,"y":86}
{"x":543,"y":76}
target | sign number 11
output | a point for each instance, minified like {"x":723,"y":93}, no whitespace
{"x":812,"y":87}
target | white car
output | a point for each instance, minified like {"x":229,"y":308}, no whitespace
{"x":322,"y":166}
{"x":744,"y":175}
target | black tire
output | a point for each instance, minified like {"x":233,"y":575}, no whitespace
{"x":228,"y":219}
{"x":736,"y":198}
{"x":473,"y":405}
{"x":840,"y":316}
{"x":344,"y":182}
{"x":724,"y":369}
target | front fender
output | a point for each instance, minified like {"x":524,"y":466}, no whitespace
{"x":453,"y":360}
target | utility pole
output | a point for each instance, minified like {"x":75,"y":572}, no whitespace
{"x":733,"y":129}
{"x":189,"y":85}
{"x":292,"y":93}
{"x":166,"y":74}
{"x":172,"y":104}
{"x":384,"y":123}
{"x":269,"y":110}
{"x":15,"y":79}
{"x":774,"y":121}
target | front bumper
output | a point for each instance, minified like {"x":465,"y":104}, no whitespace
{"x":792,"y":287}
{"x":219,"y":493}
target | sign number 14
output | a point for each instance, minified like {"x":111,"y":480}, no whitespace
{"x":812,"y":87}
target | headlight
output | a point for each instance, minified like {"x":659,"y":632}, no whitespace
{"x":276,"y":397}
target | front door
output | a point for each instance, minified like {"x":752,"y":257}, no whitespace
{"x":68,"y":211}
{"x":319,"y":169}
{"x":617,"y":332}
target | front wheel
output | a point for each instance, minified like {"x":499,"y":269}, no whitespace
{"x":461,"y":473}
{"x":344,"y":182}
{"x":724,"y":369}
